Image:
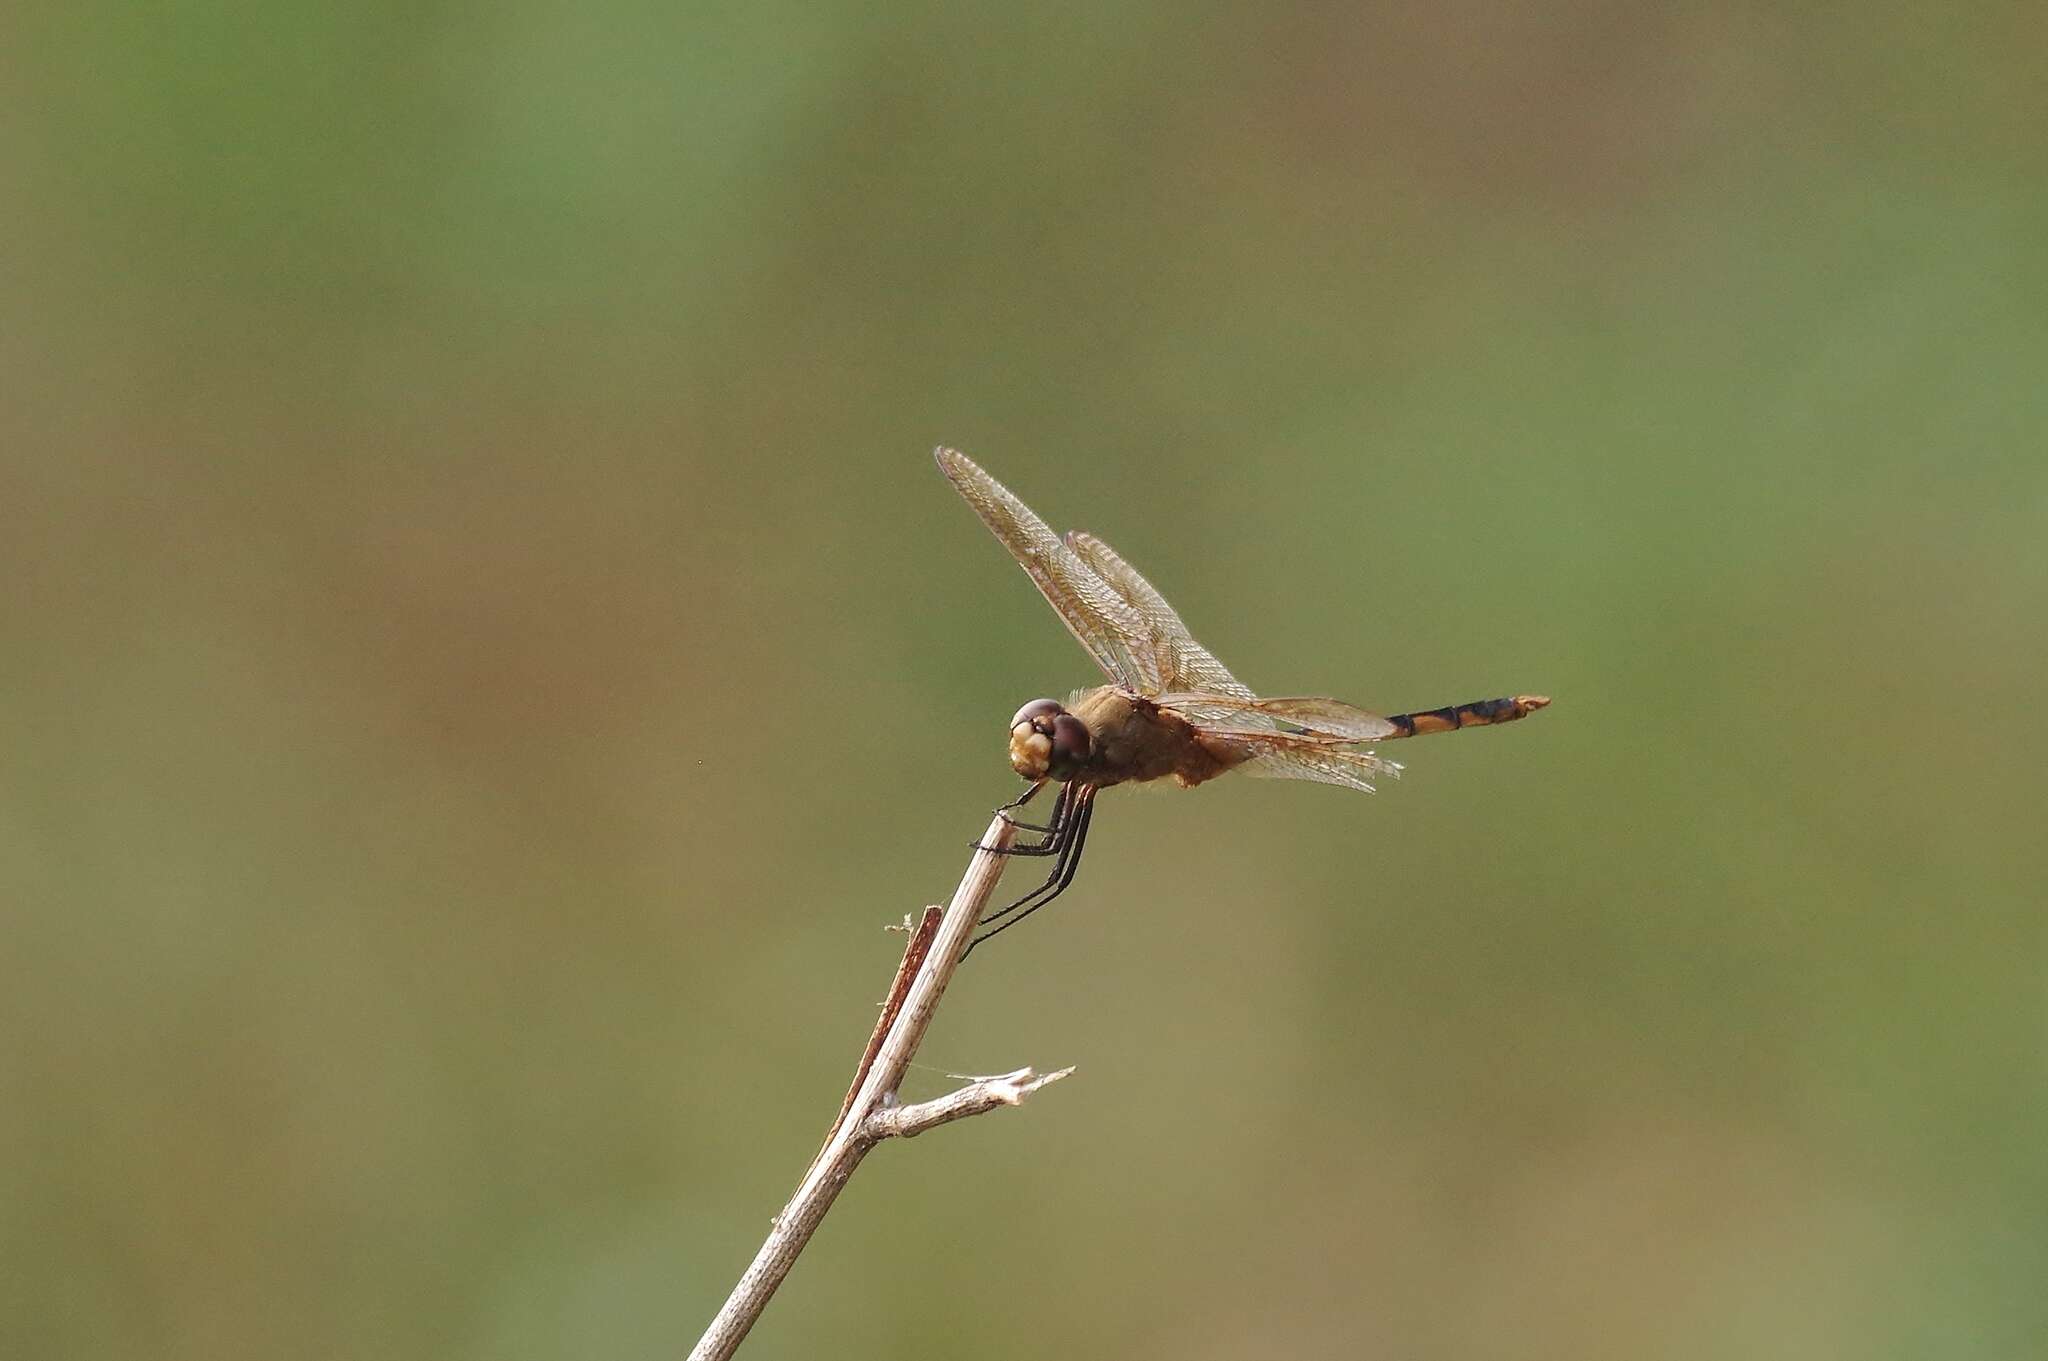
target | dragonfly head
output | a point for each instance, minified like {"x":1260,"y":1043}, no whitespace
{"x":1047,"y":742}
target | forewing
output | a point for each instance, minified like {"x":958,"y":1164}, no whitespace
{"x":1326,"y":718}
{"x":1295,"y":756}
{"x":1094,"y":612}
{"x":1184,"y":664}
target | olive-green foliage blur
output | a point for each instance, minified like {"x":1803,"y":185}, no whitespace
{"x":486,"y":651}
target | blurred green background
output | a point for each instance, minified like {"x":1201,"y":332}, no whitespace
{"x":487,"y":651}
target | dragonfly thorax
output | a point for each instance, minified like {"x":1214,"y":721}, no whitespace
{"x":1047,"y":742}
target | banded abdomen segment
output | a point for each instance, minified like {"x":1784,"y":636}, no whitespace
{"x":1477,"y":714}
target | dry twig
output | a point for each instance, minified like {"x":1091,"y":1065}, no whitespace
{"x":869,"y":1114}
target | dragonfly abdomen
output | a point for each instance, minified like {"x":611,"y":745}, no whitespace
{"x":1476,"y":714}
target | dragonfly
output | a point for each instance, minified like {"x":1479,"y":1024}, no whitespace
{"x":1171,"y":711}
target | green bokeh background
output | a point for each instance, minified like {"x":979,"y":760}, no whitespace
{"x":486,"y":650}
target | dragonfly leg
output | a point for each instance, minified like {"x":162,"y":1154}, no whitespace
{"x":1023,"y":798}
{"x":1003,"y":811}
{"x":1062,"y":810}
{"x":1047,"y":829}
{"x":1073,"y":831}
{"x":1055,"y":884}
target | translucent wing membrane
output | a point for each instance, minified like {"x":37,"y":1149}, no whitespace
{"x":1184,"y":664}
{"x":1095,"y":612}
{"x":1325,"y":718}
{"x":1300,"y":756}
{"x":1351,"y":769}
{"x":1200,"y":687}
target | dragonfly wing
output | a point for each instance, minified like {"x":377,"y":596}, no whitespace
{"x":1351,"y":769}
{"x":1184,"y":664}
{"x":1330,"y":719}
{"x":1299,"y":756}
{"x":1094,"y":612}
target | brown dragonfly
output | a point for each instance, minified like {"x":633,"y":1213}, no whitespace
{"x":1171,"y":709}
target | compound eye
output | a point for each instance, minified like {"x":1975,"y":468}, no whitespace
{"x":1034,"y":711}
{"x":1069,"y":743}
